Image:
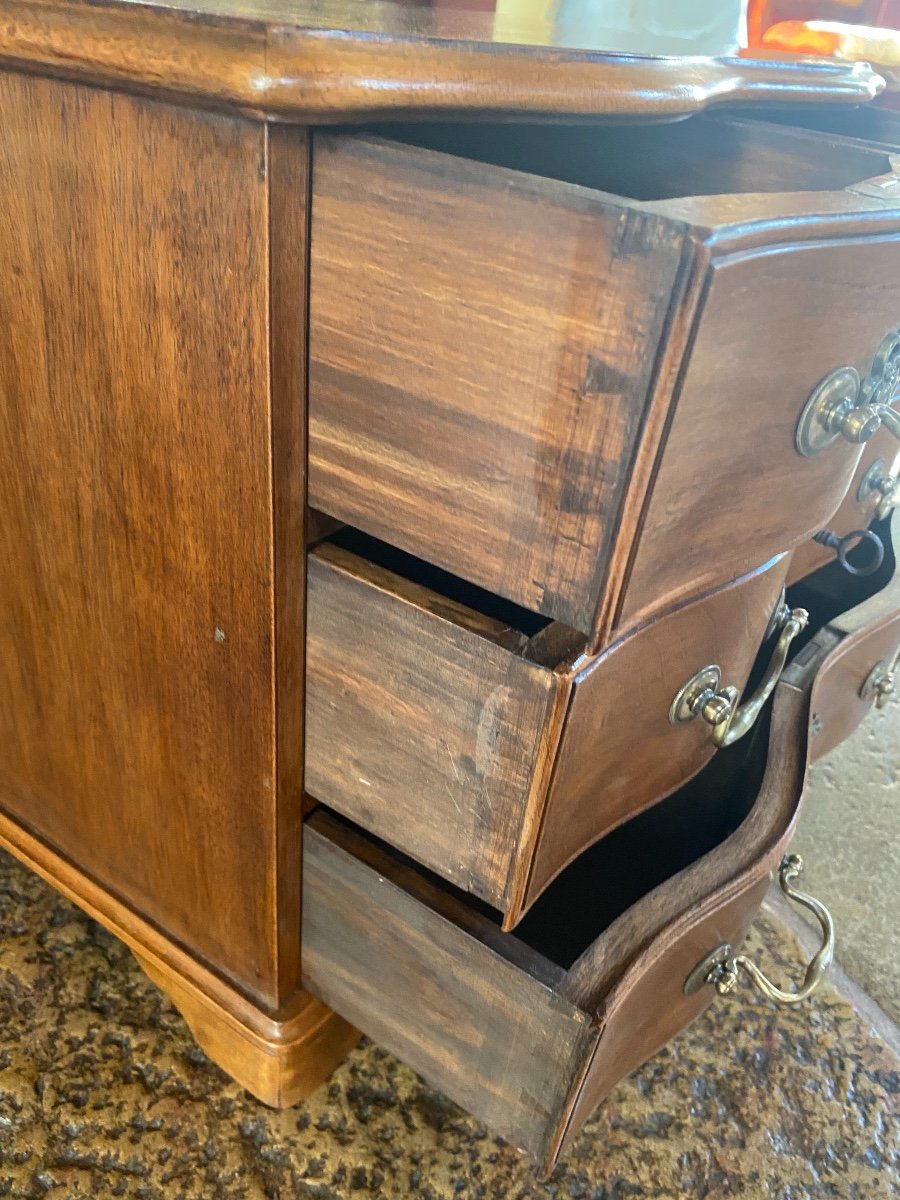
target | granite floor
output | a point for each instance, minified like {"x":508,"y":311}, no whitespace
{"x":849,"y":836}
{"x":103,"y":1092}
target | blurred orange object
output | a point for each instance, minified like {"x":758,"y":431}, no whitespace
{"x":835,"y":39}
{"x":763,"y":14}
{"x":850,"y":30}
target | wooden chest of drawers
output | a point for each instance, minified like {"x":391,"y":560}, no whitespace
{"x":411,"y":620}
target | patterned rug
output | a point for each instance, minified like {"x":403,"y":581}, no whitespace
{"x":103,"y":1093}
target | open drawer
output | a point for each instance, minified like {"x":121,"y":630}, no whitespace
{"x":858,"y":649}
{"x":478,"y":739}
{"x":529,"y":1031}
{"x":569,"y":364}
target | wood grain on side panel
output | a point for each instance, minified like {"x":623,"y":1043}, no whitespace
{"x":289,"y":165}
{"x":136,"y":651}
{"x":482,"y":343}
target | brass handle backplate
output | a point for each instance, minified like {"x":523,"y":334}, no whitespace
{"x":880,"y":684}
{"x":721,"y":967}
{"x":844,"y":405}
{"x":878,"y":482}
{"x":704,"y":697}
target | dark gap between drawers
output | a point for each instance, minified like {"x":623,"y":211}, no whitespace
{"x":616,"y":872}
{"x":831,"y":590}
{"x":637,"y":857}
{"x":438,"y":580}
{"x":701,"y":156}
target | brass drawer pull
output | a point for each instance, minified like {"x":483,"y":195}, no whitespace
{"x":844,"y":405}
{"x":877,"y":481}
{"x":881,"y":682}
{"x":702,"y":696}
{"x":720,"y":969}
{"x":843,"y":545}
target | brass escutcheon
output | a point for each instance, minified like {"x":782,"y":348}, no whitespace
{"x":844,"y":405}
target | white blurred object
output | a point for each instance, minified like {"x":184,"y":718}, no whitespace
{"x":664,"y":27}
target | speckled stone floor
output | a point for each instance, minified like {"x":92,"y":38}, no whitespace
{"x":103,"y":1093}
{"x":849,"y":836}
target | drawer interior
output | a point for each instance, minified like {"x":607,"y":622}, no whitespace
{"x":516,"y":619}
{"x":865,"y":122}
{"x":614,"y":874}
{"x":697,"y":157}
{"x":831,"y":591}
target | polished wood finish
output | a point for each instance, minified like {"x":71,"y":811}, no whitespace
{"x":136,"y":691}
{"x":517,"y":373}
{"x":730,"y":489}
{"x":446,"y":732}
{"x":527,"y":1044}
{"x":619,"y":752}
{"x":649,"y":1008}
{"x":340,"y":59}
{"x":288,"y":154}
{"x":481,"y":349}
{"x":280,"y":1058}
{"x":281,"y":1064}
{"x":586,"y":451}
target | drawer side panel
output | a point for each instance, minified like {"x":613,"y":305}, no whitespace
{"x":482,"y":343}
{"x":498,"y":1041}
{"x":420,"y":730}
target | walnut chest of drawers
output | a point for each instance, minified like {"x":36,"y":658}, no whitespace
{"x":436,"y":538}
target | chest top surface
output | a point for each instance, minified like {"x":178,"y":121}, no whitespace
{"x":347,"y":60}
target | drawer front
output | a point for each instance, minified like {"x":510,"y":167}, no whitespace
{"x":619,"y":751}
{"x":732,"y":487}
{"x":862,"y":670}
{"x":481,"y":345}
{"x":428,"y":725}
{"x":651,"y":1006}
{"x":527,"y":1044}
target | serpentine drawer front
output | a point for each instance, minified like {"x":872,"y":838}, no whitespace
{"x":513,"y":372}
{"x":492,"y":752}
{"x":861,"y":668}
{"x":529,"y":1031}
